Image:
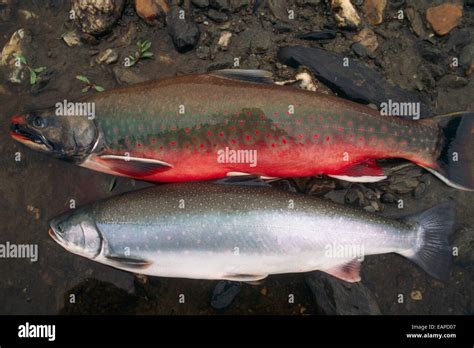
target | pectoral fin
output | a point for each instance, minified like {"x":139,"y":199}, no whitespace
{"x":248,"y":278}
{"x":350,"y":272}
{"x":133,"y":166}
{"x":126,"y":262}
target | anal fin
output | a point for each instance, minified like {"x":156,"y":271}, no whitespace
{"x":247,"y":278}
{"x":366,"y":171}
{"x":350,"y":272}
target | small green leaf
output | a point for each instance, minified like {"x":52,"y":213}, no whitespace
{"x":32,"y":76}
{"x":85,"y":89}
{"x":83,"y":78}
{"x":146,"y":46}
{"x":40,"y":69}
{"x":20,"y":57}
{"x":147,"y":55}
{"x":99,"y":88}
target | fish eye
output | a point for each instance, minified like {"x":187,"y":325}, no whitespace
{"x":39,"y":122}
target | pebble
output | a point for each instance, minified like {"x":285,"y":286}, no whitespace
{"x":217,"y":16}
{"x":220,"y":4}
{"x":183,"y":31}
{"x":97,"y":17}
{"x":35,"y":211}
{"x":125,"y":76}
{"x":261,"y":42}
{"x":264,"y":291}
{"x":224,"y":39}
{"x":367,"y":38}
{"x":345,"y":14}
{"x":203,"y":52}
{"x":416,"y":23}
{"x":19,"y":43}
{"x":319,"y":35}
{"x":416,"y":295}
{"x":200,"y":3}
{"x":360,"y":50}
{"x":71,"y":38}
{"x":453,"y":81}
{"x":373,"y":10}
{"x":224,"y":294}
{"x":108,"y":56}
{"x":444,"y":18}
{"x":152,"y":11}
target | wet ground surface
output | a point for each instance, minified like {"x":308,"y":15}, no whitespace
{"x":37,"y":188}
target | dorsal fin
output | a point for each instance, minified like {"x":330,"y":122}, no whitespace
{"x":260,"y":76}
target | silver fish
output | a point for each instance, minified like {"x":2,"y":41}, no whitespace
{"x":209,"y":231}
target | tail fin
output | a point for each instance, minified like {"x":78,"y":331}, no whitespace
{"x":455,"y":164}
{"x":432,"y":251}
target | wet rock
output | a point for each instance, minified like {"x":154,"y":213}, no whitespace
{"x":224,"y":39}
{"x":125,"y":76}
{"x":19,"y":44}
{"x":467,"y":56}
{"x":319,"y":35}
{"x":200,"y":3}
{"x":431,"y":52}
{"x":224,"y":62}
{"x":224,"y":294}
{"x":152,"y":12}
{"x":453,"y":81}
{"x":261,"y":42}
{"x":217,"y":16}
{"x":279,"y":9}
{"x":444,"y":18}
{"x":367,"y":38}
{"x":27,"y":15}
{"x":345,"y":14}
{"x":183,"y":30}
{"x":458,"y":39}
{"x":5,"y":10}
{"x":373,"y":10}
{"x":220,"y":4}
{"x":402,"y":179}
{"x":97,"y":17}
{"x":337,"y":297}
{"x":72,"y":38}
{"x":359,"y":49}
{"x":108,"y":56}
{"x":416,"y":23}
{"x":358,"y":83}
{"x":129,"y":36}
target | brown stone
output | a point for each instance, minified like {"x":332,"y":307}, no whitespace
{"x":367,"y":38}
{"x":373,"y":10}
{"x":444,"y":18}
{"x":150,"y":10}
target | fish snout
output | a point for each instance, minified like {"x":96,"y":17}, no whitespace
{"x":18,"y":120}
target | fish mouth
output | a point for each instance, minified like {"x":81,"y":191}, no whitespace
{"x":54,"y":235}
{"x":28,"y":136}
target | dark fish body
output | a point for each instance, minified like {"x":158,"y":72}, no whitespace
{"x":245,"y":233}
{"x":208,"y":126}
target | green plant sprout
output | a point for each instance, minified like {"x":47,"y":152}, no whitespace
{"x":141,"y":53}
{"x":89,"y":84}
{"x":34,"y":72}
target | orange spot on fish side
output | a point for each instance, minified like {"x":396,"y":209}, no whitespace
{"x":350,"y":135}
{"x":161,"y":147}
{"x":371,"y":129}
{"x":315,"y":136}
{"x":186,"y":130}
{"x":256,"y":132}
{"x":349,"y":123}
{"x":275,"y":124}
{"x":232,"y":127}
{"x":221,"y":134}
{"x":283,"y":141}
{"x":268,"y":135}
{"x":298,"y":122}
{"x":361,"y":138}
{"x":328,"y":138}
{"x":273,"y":145}
{"x":173,"y":143}
{"x":247,"y":137}
{"x":300,"y":136}
{"x":139,"y":145}
{"x":320,"y":118}
{"x":234,"y":141}
{"x":262,"y":117}
{"x":201,"y":145}
{"x":208,"y":133}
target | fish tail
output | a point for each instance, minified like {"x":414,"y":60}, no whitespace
{"x":432,"y":250}
{"x":455,"y":162}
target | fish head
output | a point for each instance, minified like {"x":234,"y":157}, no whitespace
{"x":77,"y":232}
{"x":65,"y":137}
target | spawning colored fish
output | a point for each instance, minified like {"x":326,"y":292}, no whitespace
{"x":209,"y":126}
{"x":207,"y":231}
